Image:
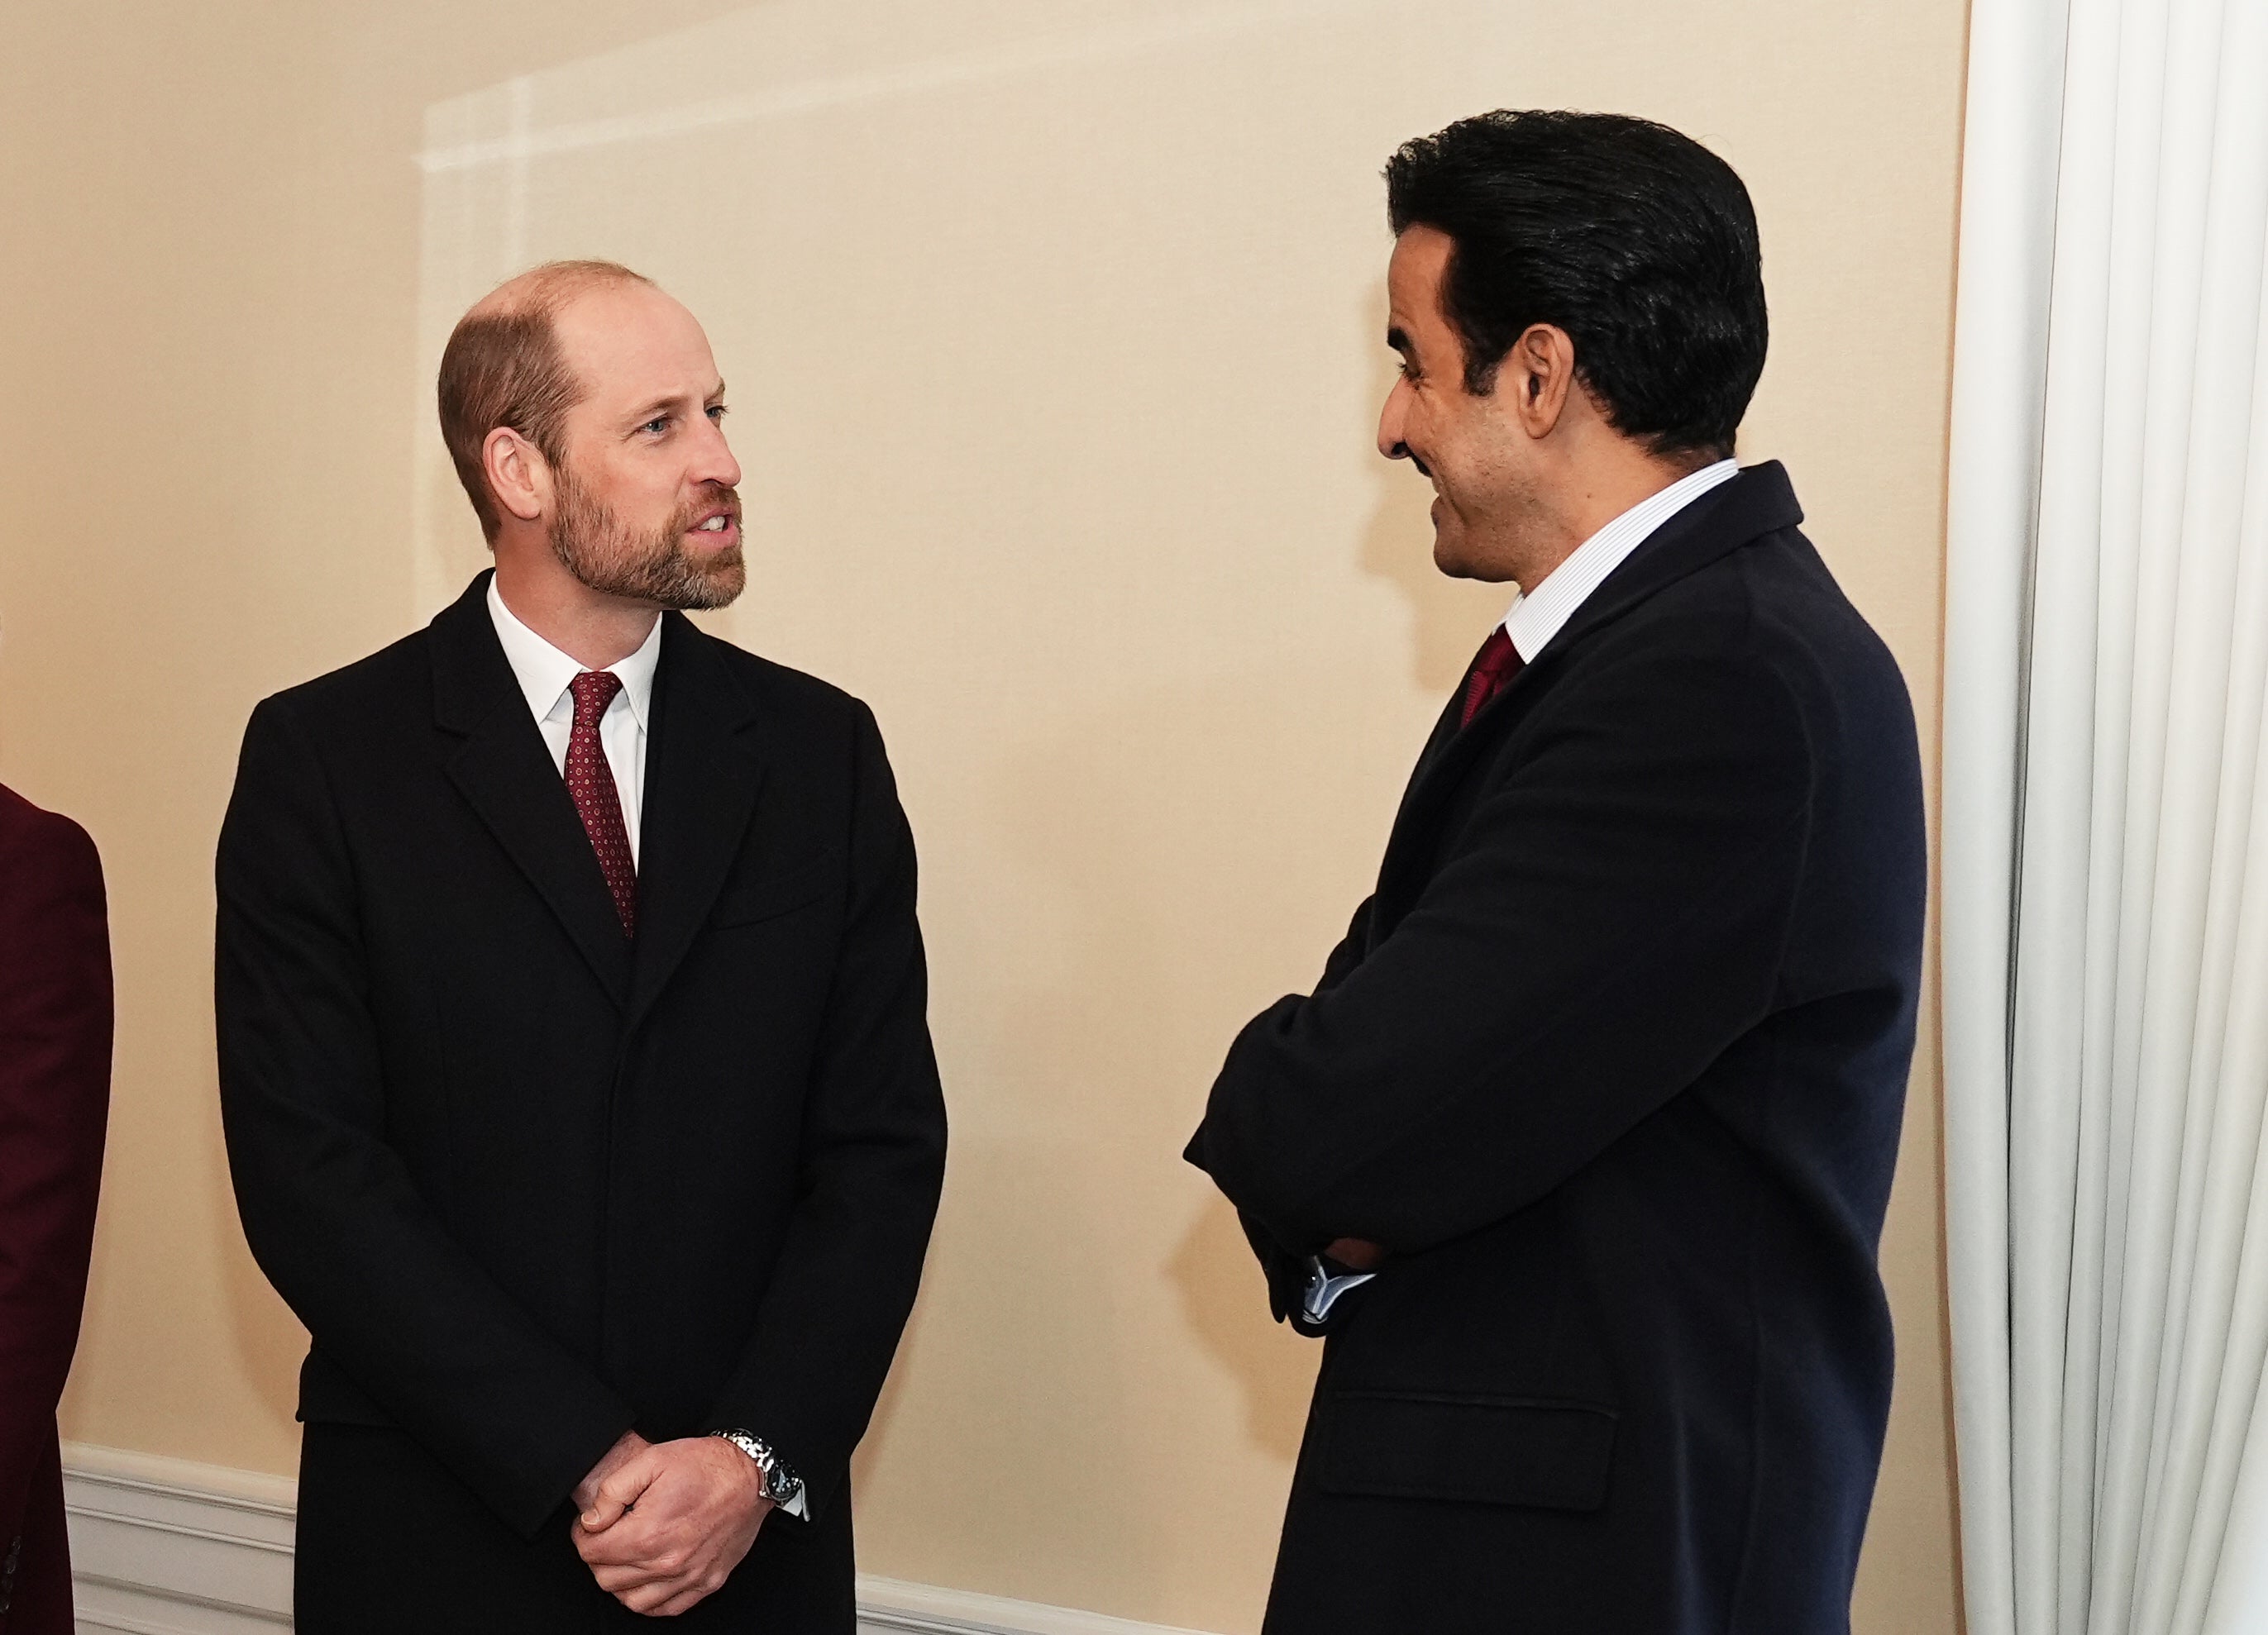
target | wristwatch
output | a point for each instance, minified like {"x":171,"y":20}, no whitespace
{"x":782,"y":1485}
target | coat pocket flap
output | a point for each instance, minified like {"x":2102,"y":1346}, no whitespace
{"x":1491,"y":1450}
{"x":773,"y":894}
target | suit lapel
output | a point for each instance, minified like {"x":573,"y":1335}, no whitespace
{"x":1758,"y":502}
{"x":1446,"y":732}
{"x":702,"y":773}
{"x":504,"y":772}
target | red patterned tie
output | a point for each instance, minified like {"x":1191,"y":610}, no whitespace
{"x":1498,"y":663}
{"x":592,"y":783}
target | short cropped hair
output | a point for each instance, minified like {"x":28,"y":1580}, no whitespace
{"x":1636,"y":241}
{"x":503,"y":367}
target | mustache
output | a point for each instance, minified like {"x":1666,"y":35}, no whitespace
{"x":712,"y":498}
{"x":1424,"y":470}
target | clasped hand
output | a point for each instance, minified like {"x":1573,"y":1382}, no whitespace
{"x":662,"y":1524}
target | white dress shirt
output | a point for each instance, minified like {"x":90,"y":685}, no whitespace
{"x":1538,"y":616}
{"x":544,"y":672}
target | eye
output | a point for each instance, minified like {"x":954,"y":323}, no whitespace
{"x":658,"y":424}
{"x":717,"y":412}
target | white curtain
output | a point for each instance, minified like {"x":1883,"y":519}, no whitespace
{"x":2105,"y":850}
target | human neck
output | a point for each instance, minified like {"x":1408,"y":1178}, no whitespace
{"x":1597,"y":483}
{"x":594,"y":629}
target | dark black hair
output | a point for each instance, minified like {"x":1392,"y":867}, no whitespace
{"x":1638,"y":242}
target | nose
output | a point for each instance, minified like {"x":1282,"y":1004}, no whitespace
{"x":714,"y":462}
{"x":1391,"y":420}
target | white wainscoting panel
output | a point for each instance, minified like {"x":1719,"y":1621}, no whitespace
{"x":166,"y":1547}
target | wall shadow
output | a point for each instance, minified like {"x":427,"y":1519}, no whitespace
{"x":270,"y":1343}
{"x":1226,"y":1302}
{"x":1158,"y":835}
{"x":890,"y":1403}
{"x":1026,"y":1383}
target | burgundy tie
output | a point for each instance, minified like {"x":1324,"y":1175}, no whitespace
{"x":592,"y":783}
{"x":1498,"y":663}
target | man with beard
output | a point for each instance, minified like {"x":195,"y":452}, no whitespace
{"x":578,"y":1088}
{"x":1578,"y":1153}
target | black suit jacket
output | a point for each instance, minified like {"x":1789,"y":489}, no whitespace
{"x":529,"y":1184}
{"x":1612,"y":1062}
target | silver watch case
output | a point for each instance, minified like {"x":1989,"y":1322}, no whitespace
{"x":781,"y":1485}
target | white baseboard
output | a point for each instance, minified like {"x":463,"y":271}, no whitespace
{"x":165,"y":1547}
{"x":888,"y":1604}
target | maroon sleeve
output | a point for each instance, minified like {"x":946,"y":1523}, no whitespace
{"x":55,"y":1097}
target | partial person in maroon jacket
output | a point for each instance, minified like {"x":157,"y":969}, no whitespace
{"x":55,"y":1095}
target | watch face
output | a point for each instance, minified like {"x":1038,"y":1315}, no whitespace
{"x":783,"y":1486}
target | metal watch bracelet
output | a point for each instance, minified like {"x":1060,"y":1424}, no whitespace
{"x":781,"y":1485}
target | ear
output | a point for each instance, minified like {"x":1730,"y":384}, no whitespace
{"x":1538,"y":373}
{"x":519,"y":475}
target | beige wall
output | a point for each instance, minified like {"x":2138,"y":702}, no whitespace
{"x":1051,"y":328}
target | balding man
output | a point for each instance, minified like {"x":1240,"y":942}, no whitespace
{"x":578,"y":1091}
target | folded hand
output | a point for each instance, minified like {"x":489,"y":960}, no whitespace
{"x":662,"y":1525}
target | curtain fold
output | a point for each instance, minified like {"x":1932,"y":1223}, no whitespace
{"x":2105,"y":927}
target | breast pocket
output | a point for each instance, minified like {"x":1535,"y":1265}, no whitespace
{"x":769,"y":896}
{"x":1491,"y":1450}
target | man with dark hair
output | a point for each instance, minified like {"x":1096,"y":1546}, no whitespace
{"x":1577,"y":1154}
{"x":574,"y":1066}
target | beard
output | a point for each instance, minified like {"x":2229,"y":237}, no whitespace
{"x":595,"y":545}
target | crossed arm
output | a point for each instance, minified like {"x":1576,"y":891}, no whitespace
{"x":1609,"y":919}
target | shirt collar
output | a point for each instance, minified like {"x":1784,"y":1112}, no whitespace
{"x":1539,"y":614}
{"x":544,"y":671}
